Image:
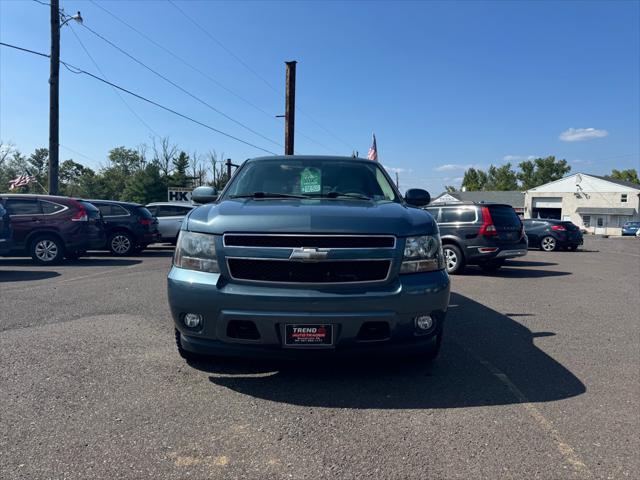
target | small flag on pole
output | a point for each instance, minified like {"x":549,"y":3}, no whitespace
{"x":373,"y":151}
{"x":20,"y":181}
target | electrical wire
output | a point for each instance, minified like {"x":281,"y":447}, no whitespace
{"x":254,"y":72}
{"x":126,"y":104}
{"x":174,"y":84}
{"x":201,"y":72}
{"x":77,"y":70}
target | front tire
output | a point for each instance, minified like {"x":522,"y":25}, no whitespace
{"x":120,"y":244}
{"x":453,"y":259}
{"x":47,"y":250}
{"x":548,"y":244}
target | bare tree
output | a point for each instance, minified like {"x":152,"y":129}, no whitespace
{"x":6,"y":149}
{"x":197,"y":170}
{"x":164,"y":155}
{"x":219,"y":175}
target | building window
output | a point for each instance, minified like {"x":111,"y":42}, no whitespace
{"x":586,"y":220}
{"x":623,"y":198}
{"x":600,"y":222}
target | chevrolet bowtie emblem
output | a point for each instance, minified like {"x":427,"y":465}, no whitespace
{"x":308,"y":254}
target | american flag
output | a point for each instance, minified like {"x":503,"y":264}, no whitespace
{"x":21,"y":180}
{"x":373,"y":151}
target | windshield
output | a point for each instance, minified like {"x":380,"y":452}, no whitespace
{"x":312,"y":178}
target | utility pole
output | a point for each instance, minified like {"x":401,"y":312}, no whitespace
{"x":290,"y":107}
{"x":397,"y":180}
{"x":54,"y":91}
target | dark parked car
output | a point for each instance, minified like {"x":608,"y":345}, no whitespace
{"x":129,"y":227}
{"x":483,"y":234}
{"x":630,"y":228}
{"x":5,"y":231}
{"x":550,"y":235}
{"x":49,"y":228}
{"x":308,"y":256}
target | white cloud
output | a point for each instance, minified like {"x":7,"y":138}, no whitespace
{"x":397,"y":169}
{"x":518,"y":158}
{"x":451,"y":166}
{"x":579,"y":134}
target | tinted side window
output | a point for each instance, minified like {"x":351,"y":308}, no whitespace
{"x":23,"y":207}
{"x":450,"y":215}
{"x":118,"y":210}
{"x":171,"y":211}
{"x":105,"y":209}
{"x":153,"y":210}
{"x":50,"y":207}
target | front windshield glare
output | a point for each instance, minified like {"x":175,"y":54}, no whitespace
{"x":317,"y":178}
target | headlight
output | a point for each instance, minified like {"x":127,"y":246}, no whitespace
{"x":422,"y":254}
{"x":196,"y":251}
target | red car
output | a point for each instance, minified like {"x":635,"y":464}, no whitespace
{"x":50,"y":228}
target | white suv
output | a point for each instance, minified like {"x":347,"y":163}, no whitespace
{"x":170,"y":216}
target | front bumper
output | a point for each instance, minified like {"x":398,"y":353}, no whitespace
{"x":270,"y":308}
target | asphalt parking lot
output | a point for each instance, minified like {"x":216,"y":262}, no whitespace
{"x":538,"y":378}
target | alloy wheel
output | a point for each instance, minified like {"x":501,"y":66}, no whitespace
{"x":120,"y":244}
{"x":46,"y":250}
{"x":548,"y":244}
{"x":451,"y":259}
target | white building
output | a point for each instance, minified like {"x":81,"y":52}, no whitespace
{"x":601,"y":205}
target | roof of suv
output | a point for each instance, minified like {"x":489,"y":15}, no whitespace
{"x":309,"y":158}
{"x":170,"y":204}
{"x":116,"y":202}
{"x":463,"y":204}
{"x":38,"y":195}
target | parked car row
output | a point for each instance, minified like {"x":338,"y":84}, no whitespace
{"x":487,"y":234}
{"x":50,"y":228}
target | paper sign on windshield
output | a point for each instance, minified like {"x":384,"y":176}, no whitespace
{"x":310,"y":181}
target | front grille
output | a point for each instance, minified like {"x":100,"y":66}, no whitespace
{"x":310,"y":241}
{"x":285,"y":271}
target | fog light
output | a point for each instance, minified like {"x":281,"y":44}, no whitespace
{"x":192,"y":320}
{"x":424,"y":322}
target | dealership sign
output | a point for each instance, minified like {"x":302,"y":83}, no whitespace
{"x":176,"y":194}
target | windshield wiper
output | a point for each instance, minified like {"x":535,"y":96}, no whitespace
{"x":268,"y":195}
{"x":357,"y":196}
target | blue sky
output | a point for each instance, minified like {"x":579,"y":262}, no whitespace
{"x":444,"y":85}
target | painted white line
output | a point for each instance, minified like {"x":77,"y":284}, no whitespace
{"x":569,"y":454}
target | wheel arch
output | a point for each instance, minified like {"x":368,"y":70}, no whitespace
{"x":40,"y":233}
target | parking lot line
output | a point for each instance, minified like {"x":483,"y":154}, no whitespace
{"x":569,"y":454}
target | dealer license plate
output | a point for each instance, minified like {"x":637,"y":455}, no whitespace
{"x":308,"y":335}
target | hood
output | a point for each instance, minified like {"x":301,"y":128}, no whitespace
{"x":310,"y":216}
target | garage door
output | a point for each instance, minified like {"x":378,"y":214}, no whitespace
{"x":547,"y":202}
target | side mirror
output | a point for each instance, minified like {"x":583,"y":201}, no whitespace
{"x":417,"y":197}
{"x":204,"y":195}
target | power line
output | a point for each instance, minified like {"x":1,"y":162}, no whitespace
{"x":171,"y":82}
{"x":254,"y":72}
{"x":182,"y":60}
{"x":95,"y":64}
{"x":77,"y":70}
{"x":200,"y":71}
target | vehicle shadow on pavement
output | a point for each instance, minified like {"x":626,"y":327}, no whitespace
{"x":485,"y":355}
{"x":514,"y":271}
{"x":528,"y":263}
{"x":26,"y":276}
{"x":81,"y":262}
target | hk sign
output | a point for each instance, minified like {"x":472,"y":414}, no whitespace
{"x":179,"y":195}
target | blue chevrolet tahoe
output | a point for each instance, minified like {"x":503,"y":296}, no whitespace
{"x":308,"y":256}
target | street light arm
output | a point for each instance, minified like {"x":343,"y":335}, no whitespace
{"x":77,"y":17}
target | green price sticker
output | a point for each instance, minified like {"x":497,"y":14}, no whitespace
{"x":310,"y":180}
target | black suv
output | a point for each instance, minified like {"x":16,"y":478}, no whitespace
{"x":483,"y":234}
{"x":130,"y":227}
{"x":550,"y":235}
